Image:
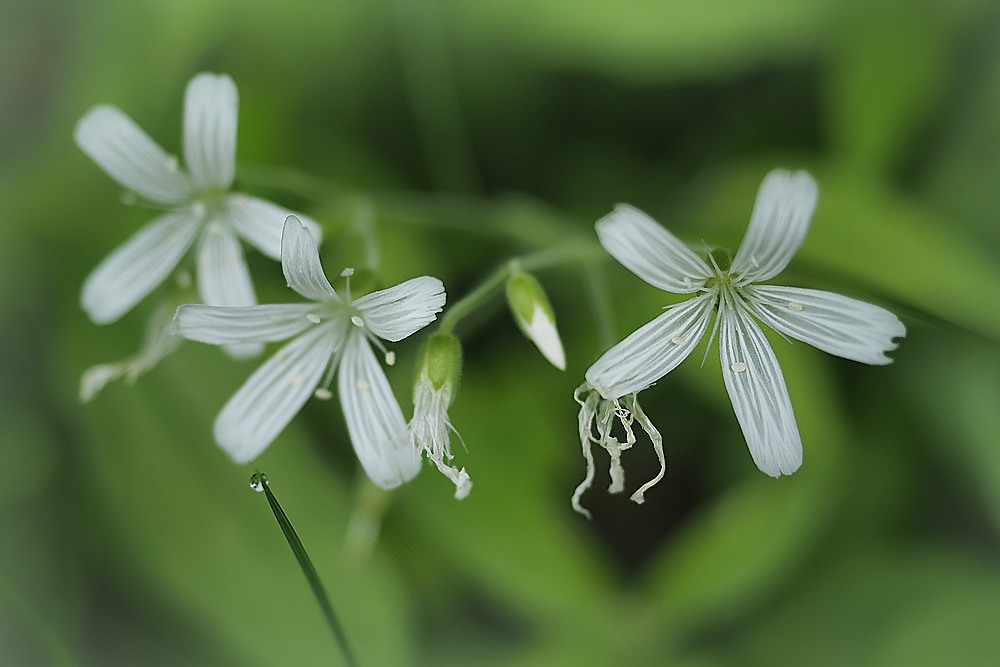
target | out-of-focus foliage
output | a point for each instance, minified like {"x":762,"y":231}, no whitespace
{"x":457,"y":135}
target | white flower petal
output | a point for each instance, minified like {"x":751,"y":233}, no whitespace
{"x":210,"y":115}
{"x":649,"y":251}
{"x":396,"y":312}
{"x":374,"y":418}
{"x":129,"y":156}
{"x":779,"y":222}
{"x":543,"y":333}
{"x":300,"y":262}
{"x":264,"y":405}
{"x":833,"y":323}
{"x":652,"y":350}
{"x":757,"y":389}
{"x":223,"y":276}
{"x":259,"y":222}
{"x":136,"y":267}
{"x":249,"y":324}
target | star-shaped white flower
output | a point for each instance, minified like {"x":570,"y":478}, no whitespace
{"x":733,"y":294}
{"x":333,"y":335}
{"x":200,"y":209}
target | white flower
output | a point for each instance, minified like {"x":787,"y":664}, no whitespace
{"x":433,"y":392}
{"x":333,"y":335}
{"x":836,"y":324}
{"x":200,"y":208}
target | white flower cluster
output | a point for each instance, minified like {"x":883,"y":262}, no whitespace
{"x":333,"y":334}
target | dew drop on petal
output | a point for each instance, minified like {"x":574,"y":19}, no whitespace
{"x":678,"y":340}
{"x":795,"y":305}
{"x":313,"y":317}
{"x":738,"y":366}
{"x":323,"y":394}
{"x":257,"y":481}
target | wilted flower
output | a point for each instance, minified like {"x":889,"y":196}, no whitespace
{"x":731,"y":291}
{"x":333,"y":335}
{"x":433,"y":392}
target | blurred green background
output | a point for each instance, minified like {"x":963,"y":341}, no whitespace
{"x":466,"y":133}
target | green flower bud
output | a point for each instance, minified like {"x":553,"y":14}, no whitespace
{"x":441,"y":362}
{"x":533,"y":314}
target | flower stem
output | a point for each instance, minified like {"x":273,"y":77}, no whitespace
{"x":574,"y":251}
{"x":307,"y":568}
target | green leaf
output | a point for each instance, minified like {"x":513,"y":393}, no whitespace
{"x":648,"y":39}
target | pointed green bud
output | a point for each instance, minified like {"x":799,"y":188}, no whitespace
{"x":534,"y":315}
{"x":441,"y":362}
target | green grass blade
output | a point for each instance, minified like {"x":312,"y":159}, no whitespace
{"x":259,"y":482}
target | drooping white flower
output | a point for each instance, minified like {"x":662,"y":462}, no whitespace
{"x":833,"y":323}
{"x":333,"y":335}
{"x":200,"y":209}
{"x":433,"y":392}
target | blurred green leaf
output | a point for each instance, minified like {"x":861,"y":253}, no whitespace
{"x":183,"y":518}
{"x":648,"y":39}
{"x":752,"y":537}
{"x":887,"y":69}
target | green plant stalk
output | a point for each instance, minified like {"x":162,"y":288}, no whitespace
{"x":570,"y":252}
{"x":311,"y":575}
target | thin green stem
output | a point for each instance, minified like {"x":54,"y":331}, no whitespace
{"x":600,"y":303}
{"x":477,"y":297}
{"x":566,"y":253}
{"x":513,"y":218}
{"x":307,"y":568}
